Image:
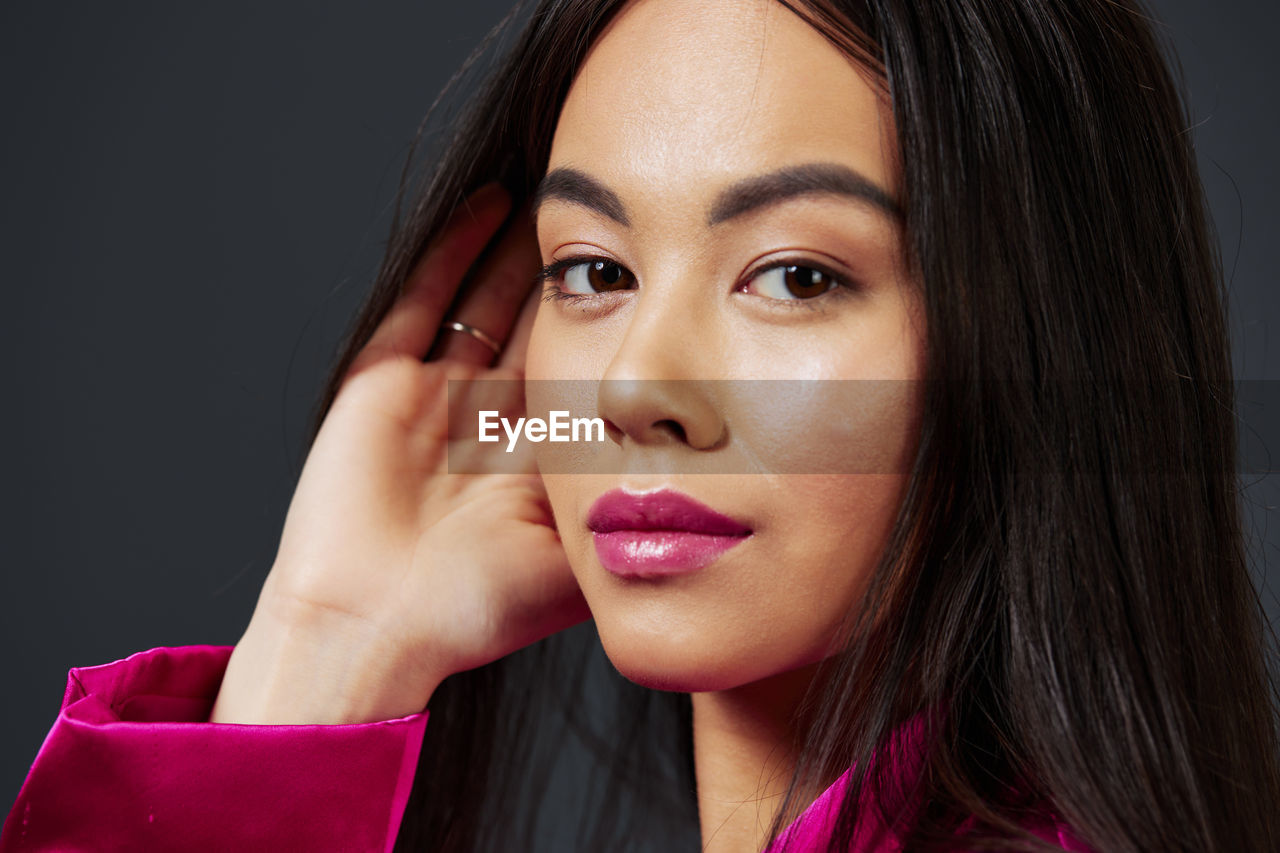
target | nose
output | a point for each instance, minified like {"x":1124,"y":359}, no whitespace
{"x":650,"y":393}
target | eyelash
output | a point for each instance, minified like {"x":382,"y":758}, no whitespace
{"x":552,"y":273}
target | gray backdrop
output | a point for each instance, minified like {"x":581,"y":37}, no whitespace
{"x":193,"y":199}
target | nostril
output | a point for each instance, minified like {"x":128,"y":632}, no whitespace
{"x":674,"y":427}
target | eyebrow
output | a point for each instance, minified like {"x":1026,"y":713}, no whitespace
{"x":579,"y":188}
{"x":739,"y":198}
{"x":809,"y":179}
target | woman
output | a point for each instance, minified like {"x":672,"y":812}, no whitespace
{"x":1015,"y":623}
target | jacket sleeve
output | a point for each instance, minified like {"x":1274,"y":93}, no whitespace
{"x":132,"y":763}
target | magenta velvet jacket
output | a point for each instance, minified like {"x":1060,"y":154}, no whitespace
{"x":132,"y":763}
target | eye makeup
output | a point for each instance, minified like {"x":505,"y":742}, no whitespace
{"x":815,"y":281}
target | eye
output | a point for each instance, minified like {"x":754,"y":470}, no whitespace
{"x":793,"y":282}
{"x":595,"y":276}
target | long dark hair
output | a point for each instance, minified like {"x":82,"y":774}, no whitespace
{"x":1067,"y":578}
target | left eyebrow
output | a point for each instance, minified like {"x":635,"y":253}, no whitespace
{"x":808,"y":179}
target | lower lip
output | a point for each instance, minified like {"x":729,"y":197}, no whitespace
{"x":651,"y":553}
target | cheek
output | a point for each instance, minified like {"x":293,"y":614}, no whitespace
{"x":540,"y":356}
{"x":829,"y":532}
{"x":563,"y":350}
{"x":826,"y":426}
{"x":831,"y":529}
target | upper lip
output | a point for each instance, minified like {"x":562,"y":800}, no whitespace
{"x":663,"y":509}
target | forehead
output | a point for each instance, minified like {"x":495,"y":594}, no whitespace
{"x":678,"y":92}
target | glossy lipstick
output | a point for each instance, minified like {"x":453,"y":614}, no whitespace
{"x":649,"y":534}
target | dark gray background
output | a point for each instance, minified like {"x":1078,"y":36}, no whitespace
{"x":194,"y":198}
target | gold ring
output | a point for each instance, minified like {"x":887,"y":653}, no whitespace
{"x":475,"y":333}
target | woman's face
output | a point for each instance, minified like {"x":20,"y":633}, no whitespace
{"x":705,"y":147}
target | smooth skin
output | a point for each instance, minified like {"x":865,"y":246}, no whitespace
{"x":678,"y":103}
{"x":392,"y":574}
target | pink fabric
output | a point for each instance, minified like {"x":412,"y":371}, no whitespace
{"x":132,"y":763}
{"x":812,"y":828}
{"x":874,"y":833}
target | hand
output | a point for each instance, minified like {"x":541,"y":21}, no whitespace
{"x":392,"y":573}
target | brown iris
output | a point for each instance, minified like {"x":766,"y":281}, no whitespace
{"x":805,"y":282}
{"x":606,"y":275}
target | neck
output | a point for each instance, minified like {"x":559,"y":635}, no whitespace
{"x":744,"y":748}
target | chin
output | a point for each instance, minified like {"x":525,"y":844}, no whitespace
{"x":679,"y":663}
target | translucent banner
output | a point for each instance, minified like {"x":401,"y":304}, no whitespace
{"x":820,"y":426}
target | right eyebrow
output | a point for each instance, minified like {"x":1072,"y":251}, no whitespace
{"x":578,"y":188}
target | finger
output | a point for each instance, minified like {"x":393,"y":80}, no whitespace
{"x":514,"y":353}
{"x":492,"y":296}
{"x":413,"y":321}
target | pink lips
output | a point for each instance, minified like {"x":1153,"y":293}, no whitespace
{"x":659,"y":533}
